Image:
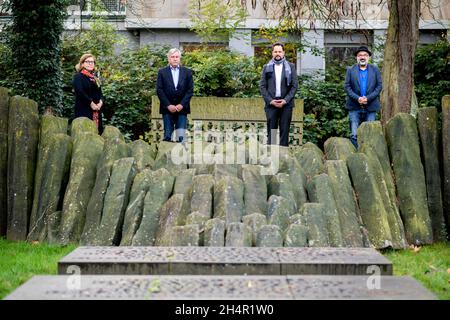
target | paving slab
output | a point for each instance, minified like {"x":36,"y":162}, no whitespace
{"x":224,"y":261}
{"x":311,"y":287}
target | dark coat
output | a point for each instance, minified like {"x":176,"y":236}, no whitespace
{"x":268,"y":87}
{"x":168,"y":94}
{"x":86,"y":91}
{"x":353,"y":89}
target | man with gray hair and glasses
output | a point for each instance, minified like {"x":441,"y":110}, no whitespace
{"x":175,"y":87}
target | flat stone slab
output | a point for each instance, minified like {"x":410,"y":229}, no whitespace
{"x":224,"y":261}
{"x":311,"y":287}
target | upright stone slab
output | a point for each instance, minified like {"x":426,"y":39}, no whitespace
{"x":255,"y":189}
{"x":280,"y":185}
{"x":320,"y":191}
{"x":290,"y":165}
{"x":141,"y":151}
{"x":158,"y":193}
{"x":135,"y":208}
{"x":316,"y":222}
{"x":184,"y":181}
{"x":214,"y":233}
{"x":57,"y":153}
{"x":49,"y":126}
{"x":296,"y":236}
{"x":114,"y":148}
{"x":229,"y":199}
{"x":269,"y":236}
{"x":446,"y":158}
{"x":370,"y":134}
{"x":111,"y":132}
{"x":373,"y":212}
{"x":337,"y":148}
{"x":4,"y":113}
{"x":278,"y":212}
{"x":171,"y":215}
{"x":255,"y":221}
{"x":403,"y":142}
{"x":185,"y":236}
{"x":396,"y":227}
{"x":238,"y":235}
{"x":346,"y":204}
{"x":311,"y":159}
{"x":116,"y":200}
{"x":23,"y":132}
{"x":171,"y":156}
{"x":202,"y":194}
{"x":427,"y":123}
{"x":87,"y":149}
{"x":82,"y":125}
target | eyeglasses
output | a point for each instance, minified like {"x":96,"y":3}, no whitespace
{"x":90,"y":61}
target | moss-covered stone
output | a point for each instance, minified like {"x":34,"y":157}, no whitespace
{"x":111,"y":132}
{"x":229,"y":199}
{"x":171,"y":215}
{"x":4,"y":113}
{"x":320,"y":191}
{"x":185,"y":236}
{"x":403,"y":142}
{"x":184,"y":182}
{"x":446,"y":158}
{"x":255,"y":221}
{"x":202,"y":194}
{"x":373,"y":212}
{"x":281,"y":185}
{"x":337,"y":148}
{"x":142,"y":152}
{"x":296,"y":236}
{"x":56,"y":155}
{"x":113,"y":149}
{"x":49,"y":126}
{"x":393,"y":215}
{"x":290,"y":165}
{"x":310,"y":158}
{"x":316,"y":222}
{"x":214,"y":233}
{"x":427,"y":122}
{"x":345,"y":200}
{"x":238,"y":235}
{"x":82,"y":125}
{"x":278,"y":212}
{"x":23,"y":133}
{"x":255,"y":189}
{"x":116,"y":200}
{"x":133,"y":213}
{"x":269,"y":236}
{"x":87,"y":149}
{"x":159,"y":191}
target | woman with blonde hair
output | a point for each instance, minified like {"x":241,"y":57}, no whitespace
{"x":88,"y":92}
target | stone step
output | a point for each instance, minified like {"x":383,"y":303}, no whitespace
{"x":311,"y":287}
{"x":225,"y":261}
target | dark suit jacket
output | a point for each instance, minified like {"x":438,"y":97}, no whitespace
{"x":354,"y":91}
{"x":168,"y":94}
{"x":267,"y":86}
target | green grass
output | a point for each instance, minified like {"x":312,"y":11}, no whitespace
{"x":19,"y":261}
{"x":430,"y":265}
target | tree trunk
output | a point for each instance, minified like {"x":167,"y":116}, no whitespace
{"x":399,"y":52}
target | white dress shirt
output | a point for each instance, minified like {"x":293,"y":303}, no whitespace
{"x":278,"y":71}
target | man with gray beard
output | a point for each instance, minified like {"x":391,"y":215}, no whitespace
{"x":363,"y":87}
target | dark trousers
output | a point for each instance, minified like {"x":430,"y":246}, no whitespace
{"x":278,"y":118}
{"x":175,"y":121}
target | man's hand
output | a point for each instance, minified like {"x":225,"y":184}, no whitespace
{"x":179,"y":107}
{"x":172,"y":108}
{"x":278,"y":103}
{"x":362,"y":100}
